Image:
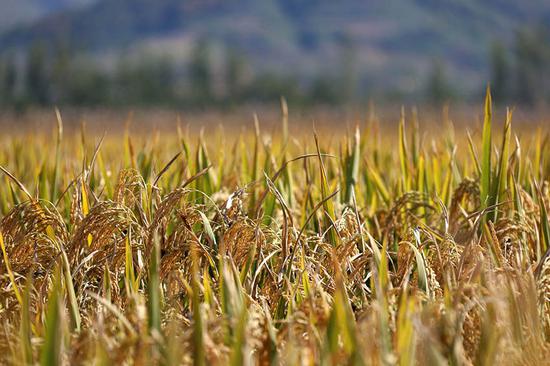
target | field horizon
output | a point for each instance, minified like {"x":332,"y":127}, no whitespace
{"x":305,"y":120}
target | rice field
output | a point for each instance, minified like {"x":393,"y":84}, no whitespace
{"x":263,"y":246}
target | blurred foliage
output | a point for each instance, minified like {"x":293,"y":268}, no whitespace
{"x":523,"y":73}
{"x":62,"y":77}
{"x":519,"y":71}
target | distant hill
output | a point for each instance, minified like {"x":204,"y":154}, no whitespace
{"x":20,"y":12}
{"x":391,"y":43}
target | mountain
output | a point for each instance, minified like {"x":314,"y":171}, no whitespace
{"x":20,"y":12}
{"x":390,"y":43}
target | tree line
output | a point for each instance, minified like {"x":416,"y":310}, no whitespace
{"x":519,"y":73}
{"x":43,"y":77}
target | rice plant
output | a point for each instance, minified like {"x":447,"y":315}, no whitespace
{"x":272,"y":248}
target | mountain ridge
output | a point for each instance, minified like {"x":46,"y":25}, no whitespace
{"x":388,"y":42}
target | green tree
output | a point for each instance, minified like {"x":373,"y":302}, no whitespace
{"x":88,"y":86}
{"x":500,"y":73}
{"x":532,"y":51}
{"x":234,"y":75}
{"x":348,"y":68}
{"x":8,"y":79}
{"x":145,"y":80}
{"x":61,"y":75}
{"x":200,"y":74}
{"x":153,"y":81}
{"x":323,"y":91}
{"x":37,"y":83}
{"x":438,"y":88}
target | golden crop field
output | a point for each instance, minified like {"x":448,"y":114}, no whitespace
{"x":266,"y":246}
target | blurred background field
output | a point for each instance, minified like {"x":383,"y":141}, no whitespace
{"x":337,"y":121}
